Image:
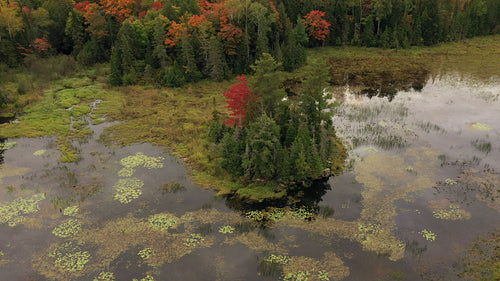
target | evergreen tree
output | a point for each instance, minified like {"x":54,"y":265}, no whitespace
{"x":115,"y":78}
{"x":188,"y":57}
{"x":295,"y":51}
{"x":262,"y":149}
{"x":216,"y":60}
{"x":233,"y":149}
{"x":127,"y":47}
{"x":266,"y":86}
{"x":159,"y":51}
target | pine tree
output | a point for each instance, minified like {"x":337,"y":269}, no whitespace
{"x":216,"y":60}
{"x":159,"y":50}
{"x":115,"y":78}
{"x":262,"y":147}
{"x":188,"y":56}
{"x":295,"y":51}
{"x":127,"y":47}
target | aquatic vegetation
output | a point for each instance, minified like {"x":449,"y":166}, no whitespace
{"x":428,"y":235}
{"x":481,"y":126}
{"x":147,"y":278}
{"x":7,"y":145}
{"x":71,"y":211}
{"x":449,"y":181}
{"x":194,"y":240}
{"x":68,"y":257}
{"x":323,"y":275}
{"x":370,"y":228}
{"x":297,"y":276}
{"x":39,"y":152}
{"x":453,"y":213}
{"x":330,"y":267}
{"x":276,"y":215}
{"x":482,"y":145}
{"x":146,"y":253}
{"x":172,"y":187}
{"x":226,"y":229}
{"x":302,"y":213}
{"x":481,"y":260}
{"x":13,"y":213}
{"x":126,"y":172}
{"x":278,"y":259}
{"x":256,"y":216}
{"x":410,"y":169}
{"x":162,"y":222}
{"x":128,"y":189}
{"x":139,"y":159}
{"x":105,"y":276}
{"x":67,"y":229}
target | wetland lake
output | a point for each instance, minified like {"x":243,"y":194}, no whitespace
{"x":419,"y":196}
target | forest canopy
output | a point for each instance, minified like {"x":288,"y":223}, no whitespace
{"x":172,"y":42}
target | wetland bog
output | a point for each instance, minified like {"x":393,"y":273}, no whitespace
{"x":418,"y":199}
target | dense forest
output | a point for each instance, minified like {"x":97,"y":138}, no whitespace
{"x":171,"y":42}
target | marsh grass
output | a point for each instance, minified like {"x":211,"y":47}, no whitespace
{"x":403,"y":68}
{"x":482,"y":145}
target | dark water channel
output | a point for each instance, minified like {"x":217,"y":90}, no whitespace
{"x":421,"y":185}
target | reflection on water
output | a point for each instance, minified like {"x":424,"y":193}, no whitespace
{"x":421,"y":185}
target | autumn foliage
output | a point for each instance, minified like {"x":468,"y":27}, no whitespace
{"x":174,"y":34}
{"x":238,"y":97}
{"x":316,"y":25}
{"x":41,"y":44}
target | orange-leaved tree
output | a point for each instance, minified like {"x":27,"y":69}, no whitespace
{"x":316,"y":25}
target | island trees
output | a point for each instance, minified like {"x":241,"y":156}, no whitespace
{"x":274,"y":139}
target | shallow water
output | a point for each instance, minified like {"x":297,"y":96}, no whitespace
{"x":418,"y":191}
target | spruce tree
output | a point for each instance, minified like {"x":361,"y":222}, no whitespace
{"x":262,"y":149}
{"x":216,"y":60}
{"x":115,"y":78}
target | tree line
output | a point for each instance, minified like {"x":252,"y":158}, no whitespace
{"x":172,"y":42}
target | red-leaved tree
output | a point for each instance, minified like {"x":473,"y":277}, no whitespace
{"x":238,"y":97}
{"x":316,"y":25}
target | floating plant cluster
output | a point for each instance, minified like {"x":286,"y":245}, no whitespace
{"x":255,"y":216}
{"x":137,"y":160}
{"x":13,"y":213}
{"x":193,"y":240}
{"x":226,"y":229}
{"x":39,"y":152}
{"x":162,"y":222}
{"x":453,"y":213}
{"x":449,"y":181}
{"x":68,"y":228}
{"x":277,"y":259}
{"x":105,"y":276}
{"x":330,"y":267}
{"x":69,"y":257}
{"x":146,"y":253}
{"x":128,"y":189}
{"x":71,"y":211}
{"x":428,"y":235}
{"x":147,"y":278}
{"x":7,"y":145}
{"x":481,"y":126}
{"x":302,"y":213}
{"x":277,"y":214}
